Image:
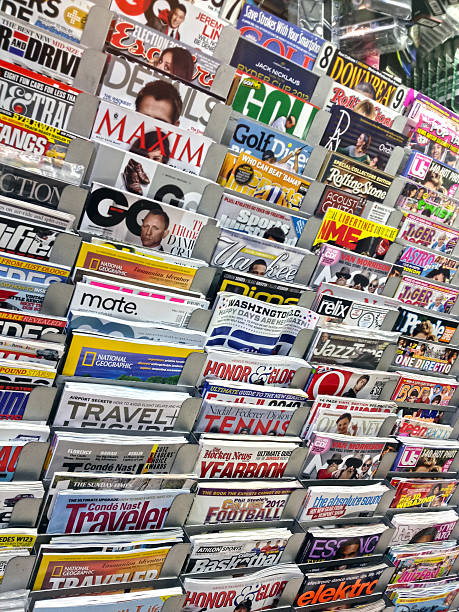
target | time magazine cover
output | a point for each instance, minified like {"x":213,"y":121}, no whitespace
{"x":116,"y":215}
{"x":265,"y":143}
{"x":424,"y":389}
{"x":422,"y":355}
{"x":257,"y":220}
{"x":427,"y":264}
{"x":418,"y":324}
{"x":347,"y":382}
{"x":421,"y":230}
{"x":237,"y":321}
{"x":262,"y":289}
{"x":421,"y":292}
{"x":138,"y":87}
{"x":139,"y":133}
{"x":353,"y":233}
{"x":254,"y":177}
{"x":346,"y":269}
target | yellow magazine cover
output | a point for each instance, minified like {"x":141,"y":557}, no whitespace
{"x":132,"y":266}
{"x":353,"y":233}
{"x":13,"y":540}
{"x":63,"y":571}
{"x":32,"y":373}
{"x":119,"y":359}
{"x":257,"y":178}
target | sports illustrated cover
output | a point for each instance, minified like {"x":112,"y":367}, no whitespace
{"x":344,"y":269}
{"x":237,"y":321}
{"x":424,"y":389}
{"x":421,"y":230}
{"x":122,"y":217}
{"x":262,"y":180}
{"x":139,"y":87}
{"x":272,"y":106}
{"x":172,"y":56}
{"x":267,"y":66}
{"x":35,"y":96}
{"x":158,"y":140}
{"x":65,"y":18}
{"x":353,"y":233}
{"x":420,"y":292}
{"x":432,"y":174}
{"x":334,"y":309}
{"x":412,"y":493}
{"x":259,"y":256}
{"x":37,"y":50}
{"x":425,"y":356}
{"x":418,"y":325}
{"x":186,"y":22}
{"x":257,"y":220}
{"x":345,"y":381}
{"x":264,"y":290}
{"x":272,"y":146}
{"x":360,"y":138}
{"x":287,"y":39}
{"x":145,"y":177}
{"x":430,"y":265}
{"x":360,"y":100}
{"x":352,"y":73}
{"x":119,"y":359}
{"x":21,"y":325}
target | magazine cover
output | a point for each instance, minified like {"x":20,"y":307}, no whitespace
{"x":254,"y":177}
{"x":420,"y":196}
{"x":26,"y":212}
{"x":38,"y":50}
{"x":345,"y":269}
{"x":324,"y":502}
{"x":425,"y":263}
{"x":142,"y":134}
{"x":32,"y":270}
{"x":418,"y":527}
{"x":427,"y":233}
{"x":131,"y":602}
{"x":412,"y":492}
{"x":139,"y":87}
{"x":425,"y":356}
{"x":239,"y":501}
{"x":431,"y":456}
{"x":119,"y":359}
{"x":116,"y":215}
{"x":344,"y":173}
{"x":252,"y":218}
{"x":214,"y":391}
{"x":337,"y":456}
{"x":338,"y":420}
{"x":235,"y":366}
{"x":432,"y":174}
{"x":347,"y":382}
{"x":35,"y":96}
{"x":188,"y":23}
{"x":272,"y":106}
{"x":237,"y":321}
{"x":353,"y":233}
{"x":262,"y":289}
{"x":273,"y":146}
{"x":133,"y":266}
{"x":259,"y":256}
{"x":152,"y":47}
{"x":425,"y":326}
{"x":30,"y":350}
{"x":424,"y":389}
{"x":337,"y":310}
{"x":287,"y":39}
{"x":421,"y":292}
{"x":21,"y":295}
{"x":361,"y":138}
{"x":117,"y":408}
{"x":22,"y":325}
{"x":27,"y":238}
{"x":421,"y":427}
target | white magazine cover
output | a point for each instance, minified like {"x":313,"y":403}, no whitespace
{"x":415,"y":528}
{"x":24,"y":431}
{"x":117,"y":215}
{"x":130,"y":602}
{"x":33,"y":213}
{"x":352,"y":423}
{"x":114,"y":510}
{"x":151,"y":138}
{"x":30,"y":350}
{"x":110,"y":407}
{"x":214,"y":390}
{"x":340,"y":292}
{"x":240,"y":502}
{"x":98,"y":300}
{"x":234,"y":457}
{"x":251,"y":326}
{"x":235,"y":366}
{"x":345,"y":381}
{"x":337,"y":310}
{"x":327,"y":502}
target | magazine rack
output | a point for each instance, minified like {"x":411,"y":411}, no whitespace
{"x":80,"y":152}
{"x":39,"y":403}
{"x":72,"y":201}
{"x":97,"y":25}
{"x":18,"y":572}
{"x":30,"y":461}
{"x":26,"y":512}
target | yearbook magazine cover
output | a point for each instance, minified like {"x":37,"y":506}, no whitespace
{"x":421,"y":230}
{"x":432,"y":174}
{"x":425,"y":356}
{"x":151,"y":47}
{"x":425,"y":263}
{"x":424,"y":389}
{"x":417,"y":324}
{"x":262,"y":289}
{"x":237,"y":321}
{"x":353,"y":233}
{"x":346,"y":381}
{"x":421,"y":292}
{"x":257,"y":220}
{"x":120,"y":359}
{"x":254,"y":177}
{"x":274,"y":146}
{"x":137,"y":87}
{"x":259,"y":256}
{"x":430,"y":456}
{"x":412,"y":492}
{"x":116,"y":215}
{"x":343,"y":268}
{"x":158,"y":140}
